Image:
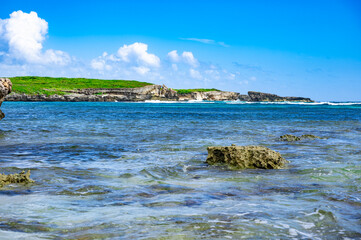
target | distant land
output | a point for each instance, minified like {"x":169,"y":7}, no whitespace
{"x":33,"y":88}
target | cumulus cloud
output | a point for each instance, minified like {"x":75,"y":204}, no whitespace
{"x":190,"y":59}
{"x":173,"y":56}
{"x":22,"y":36}
{"x":137,"y":52}
{"x":186,"y":57}
{"x":133,"y":58}
{"x":195,"y":74}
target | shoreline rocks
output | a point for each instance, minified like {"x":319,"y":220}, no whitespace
{"x":241,"y":157}
{"x":21,"y":177}
{"x":268,"y":97}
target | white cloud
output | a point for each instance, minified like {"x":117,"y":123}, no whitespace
{"x":186,"y":57}
{"x":195,"y":74}
{"x":174,"y":67}
{"x":190,"y":59}
{"x":23,"y":35}
{"x":206,"y":41}
{"x":141,"y":70}
{"x":173,"y":56}
{"x":137,"y":52}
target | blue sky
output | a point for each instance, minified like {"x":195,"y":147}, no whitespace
{"x":296,"y":48}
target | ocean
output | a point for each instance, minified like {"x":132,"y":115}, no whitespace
{"x":137,"y":171}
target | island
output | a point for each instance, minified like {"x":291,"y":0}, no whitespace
{"x":37,"y":89}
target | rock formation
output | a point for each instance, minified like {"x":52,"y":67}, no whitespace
{"x":150,"y":92}
{"x":268,"y":97}
{"x":210,"y":96}
{"x":5,"y":89}
{"x":292,"y":138}
{"x":240,"y":157}
{"x":15,"y":178}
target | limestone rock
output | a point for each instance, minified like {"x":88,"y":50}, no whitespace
{"x":209,"y":96}
{"x":240,"y":157}
{"x":5,"y":88}
{"x":268,"y":97}
{"x":15,"y":178}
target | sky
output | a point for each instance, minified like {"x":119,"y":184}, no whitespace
{"x":290,"y":48}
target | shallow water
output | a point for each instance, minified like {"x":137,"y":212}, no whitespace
{"x":137,"y":171}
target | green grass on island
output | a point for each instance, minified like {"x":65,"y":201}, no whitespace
{"x":32,"y":85}
{"x":186,"y":91}
{"x":51,"y":86}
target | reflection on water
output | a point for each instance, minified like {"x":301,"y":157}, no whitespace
{"x":136,"y":170}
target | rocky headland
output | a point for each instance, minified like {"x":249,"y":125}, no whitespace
{"x":61,"y":91}
{"x":151,"y":92}
{"x":5,"y":89}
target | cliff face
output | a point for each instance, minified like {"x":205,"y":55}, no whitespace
{"x":5,"y":89}
{"x":150,"y":92}
{"x":210,"y":96}
{"x":268,"y":97}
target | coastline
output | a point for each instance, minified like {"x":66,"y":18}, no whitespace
{"x":149,"y":93}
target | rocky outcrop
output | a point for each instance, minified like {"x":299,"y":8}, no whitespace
{"x":268,"y":97}
{"x":292,"y":138}
{"x":15,"y":178}
{"x":150,"y":92}
{"x":240,"y":157}
{"x":209,"y":96}
{"x":5,"y":89}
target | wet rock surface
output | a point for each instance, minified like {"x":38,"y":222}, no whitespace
{"x":292,"y":138}
{"x":15,"y":178}
{"x":240,"y":157}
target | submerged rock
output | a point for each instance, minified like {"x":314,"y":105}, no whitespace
{"x":291,"y":138}
{"x":15,"y":178}
{"x":310,"y":136}
{"x":240,"y":157}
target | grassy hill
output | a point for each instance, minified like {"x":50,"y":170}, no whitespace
{"x":49,"y":86}
{"x":33,"y":85}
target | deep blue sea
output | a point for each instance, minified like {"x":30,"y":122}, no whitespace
{"x":138,"y":171}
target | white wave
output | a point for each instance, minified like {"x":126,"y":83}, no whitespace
{"x":298,"y":103}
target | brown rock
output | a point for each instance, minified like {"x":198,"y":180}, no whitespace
{"x":239,"y":157}
{"x":15,"y":178}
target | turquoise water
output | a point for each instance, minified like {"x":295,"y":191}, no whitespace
{"x":137,"y":171}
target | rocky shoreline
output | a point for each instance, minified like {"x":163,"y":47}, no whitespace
{"x":150,"y":92}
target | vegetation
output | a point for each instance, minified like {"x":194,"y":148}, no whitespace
{"x":51,"y":86}
{"x":185,"y":91}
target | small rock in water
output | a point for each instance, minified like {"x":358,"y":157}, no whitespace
{"x":291,"y":138}
{"x":309,"y":136}
{"x":15,"y":178}
{"x":240,"y":157}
